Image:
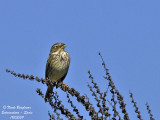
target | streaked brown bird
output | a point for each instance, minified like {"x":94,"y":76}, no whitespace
{"x":57,"y":66}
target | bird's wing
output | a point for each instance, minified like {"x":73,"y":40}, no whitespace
{"x":61,"y":80}
{"x":46,"y":72}
{"x":48,"y":65}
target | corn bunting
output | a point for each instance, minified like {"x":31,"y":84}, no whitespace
{"x":57,"y":67}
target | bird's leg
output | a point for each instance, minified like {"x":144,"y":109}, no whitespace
{"x":65,"y":87}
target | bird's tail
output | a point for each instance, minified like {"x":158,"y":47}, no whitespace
{"x":49,"y":93}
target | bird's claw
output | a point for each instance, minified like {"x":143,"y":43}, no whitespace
{"x":65,"y":87}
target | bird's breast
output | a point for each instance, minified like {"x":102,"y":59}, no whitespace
{"x":59,"y":65}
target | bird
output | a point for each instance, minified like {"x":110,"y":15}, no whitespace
{"x":57,"y":67}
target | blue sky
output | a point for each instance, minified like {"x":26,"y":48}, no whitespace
{"x":125,"y":32}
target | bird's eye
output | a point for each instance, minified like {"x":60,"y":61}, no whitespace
{"x":56,"y":46}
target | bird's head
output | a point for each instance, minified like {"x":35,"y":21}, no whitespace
{"x":57,"y":47}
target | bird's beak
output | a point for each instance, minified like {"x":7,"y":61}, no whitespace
{"x":63,"y":47}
